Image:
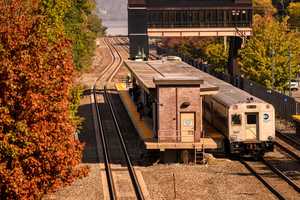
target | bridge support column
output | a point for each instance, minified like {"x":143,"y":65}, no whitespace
{"x":139,"y":46}
{"x":235,"y":43}
{"x":137,"y":31}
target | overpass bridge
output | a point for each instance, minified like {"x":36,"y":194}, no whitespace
{"x":188,"y":18}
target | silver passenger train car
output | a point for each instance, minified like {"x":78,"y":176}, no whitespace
{"x":247,"y":122}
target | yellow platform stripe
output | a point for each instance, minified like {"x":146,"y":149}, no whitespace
{"x":296,"y":117}
{"x":121,"y":86}
{"x":143,"y":129}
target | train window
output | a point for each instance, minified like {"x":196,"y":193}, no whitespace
{"x":251,"y":119}
{"x":200,"y":18}
{"x":236,"y":119}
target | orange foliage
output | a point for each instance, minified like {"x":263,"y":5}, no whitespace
{"x":38,"y":151}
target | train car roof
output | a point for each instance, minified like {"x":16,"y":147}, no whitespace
{"x":227,"y":94}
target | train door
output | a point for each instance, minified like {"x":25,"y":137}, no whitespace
{"x":252,"y":129}
{"x":187,"y":127}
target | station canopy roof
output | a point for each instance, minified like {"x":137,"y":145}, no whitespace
{"x":158,"y":72}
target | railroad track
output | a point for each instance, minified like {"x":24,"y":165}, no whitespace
{"x":292,"y":141}
{"x":288,"y":145}
{"x":273,"y":179}
{"x":121,"y":176}
{"x":273,"y":173}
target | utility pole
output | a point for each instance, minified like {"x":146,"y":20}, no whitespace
{"x":290,"y":72}
{"x":273,"y":66}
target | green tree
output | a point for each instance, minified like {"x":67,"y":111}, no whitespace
{"x":54,"y":12}
{"x":217,"y":55}
{"x":77,"y":20}
{"x":82,"y":27}
{"x":267,"y":53}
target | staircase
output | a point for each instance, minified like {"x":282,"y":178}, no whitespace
{"x":199,"y":158}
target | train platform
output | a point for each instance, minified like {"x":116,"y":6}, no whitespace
{"x":212,"y":139}
{"x":143,"y":128}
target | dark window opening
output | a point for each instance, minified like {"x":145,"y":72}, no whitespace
{"x":236,"y":119}
{"x":251,"y":119}
{"x":200,"y":18}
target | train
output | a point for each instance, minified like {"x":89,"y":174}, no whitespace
{"x":247,"y":122}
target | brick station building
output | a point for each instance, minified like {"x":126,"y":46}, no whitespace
{"x":171,"y":94}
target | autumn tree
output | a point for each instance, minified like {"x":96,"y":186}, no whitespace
{"x":38,"y":151}
{"x":270,"y":52}
{"x":263,"y":7}
{"x":294,"y":14}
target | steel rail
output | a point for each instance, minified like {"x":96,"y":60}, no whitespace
{"x":288,"y":139}
{"x":108,"y":66}
{"x":282,"y":175}
{"x":113,"y":48}
{"x":124,"y":48}
{"x":291,"y":153}
{"x":131,"y":170}
{"x":108,"y":169}
{"x":262,"y":180}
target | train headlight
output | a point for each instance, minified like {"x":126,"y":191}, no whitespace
{"x":270,"y":138}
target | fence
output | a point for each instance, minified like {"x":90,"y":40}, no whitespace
{"x":285,"y":106}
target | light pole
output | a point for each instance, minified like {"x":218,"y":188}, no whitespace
{"x":290,"y":72}
{"x":273,"y":65}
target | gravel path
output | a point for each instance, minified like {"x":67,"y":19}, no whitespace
{"x":222,"y":180}
{"x":88,"y":188}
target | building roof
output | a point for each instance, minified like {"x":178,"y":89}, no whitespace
{"x":158,"y":72}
